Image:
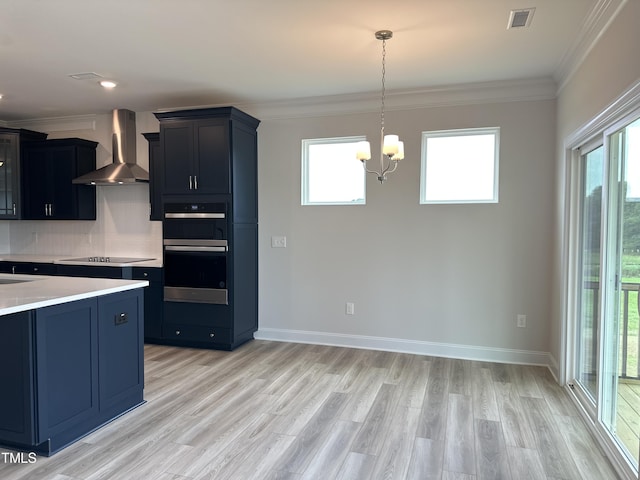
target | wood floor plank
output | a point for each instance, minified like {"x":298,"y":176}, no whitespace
{"x":426,"y":460}
{"x":554,"y":454}
{"x":433,"y":417}
{"x":298,"y":456}
{"x":515,"y":426}
{"x":584,"y":450}
{"x":484,"y":397}
{"x":393,"y":461}
{"x":525,"y":464}
{"x":524,"y":378}
{"x":460,"y":377}
{"x":558,"y":401}
{"x":329,"y":458}
{"x":492,"y":460}
{"x":372,"y":434}
{"x":460,"y":455}
{"x":366,"y":389}
{"x":446,"y":475}
{"x":357,"y":466}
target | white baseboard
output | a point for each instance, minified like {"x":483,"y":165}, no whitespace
{"x":464,"y":352}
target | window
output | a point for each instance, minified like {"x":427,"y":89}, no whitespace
{"x":460,"y":166}
{"x":331,"y":174}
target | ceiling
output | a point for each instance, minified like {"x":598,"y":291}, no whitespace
{"x":180,"y":53}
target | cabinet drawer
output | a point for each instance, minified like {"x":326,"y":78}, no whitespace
{"x":195,"y":333}
{"x":151,"y":274}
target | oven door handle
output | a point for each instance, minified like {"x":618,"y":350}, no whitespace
{"x":194,"y":215}
{"x":189,"y":248}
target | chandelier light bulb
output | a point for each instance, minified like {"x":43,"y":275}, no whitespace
{"x":363,"y":150}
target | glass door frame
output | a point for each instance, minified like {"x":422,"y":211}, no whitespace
{"x":622,"y":113}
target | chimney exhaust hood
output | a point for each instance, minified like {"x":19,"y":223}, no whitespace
{"x":124,"y":169}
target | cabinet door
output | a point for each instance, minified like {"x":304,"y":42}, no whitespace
{"x":48,"y":170}
{"x":9,"y":176}
{"x":67,"y":366}
{"x":60,"y":171}
{"x":35,"y":184}
{"x":121,"y":347}
{"x":176,"y":140}
{"x":17,"y":414}
{"x":155,"y":176}
{"x":212,"y":156}
{"x":153,"y":301}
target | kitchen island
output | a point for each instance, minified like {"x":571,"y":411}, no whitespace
{"x":71,"y":357}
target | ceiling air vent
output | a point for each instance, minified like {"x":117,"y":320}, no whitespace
{"x":85,"y":76}
{"x":520,"y":18}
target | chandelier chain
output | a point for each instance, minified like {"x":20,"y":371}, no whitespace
{"x":384,"y":55}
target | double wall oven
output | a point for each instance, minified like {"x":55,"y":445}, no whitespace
{"x":196,"y":248}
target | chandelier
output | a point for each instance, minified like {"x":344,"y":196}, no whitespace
{"x":391,"y":148}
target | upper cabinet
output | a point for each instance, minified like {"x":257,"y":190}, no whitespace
{"x":210,"y":151}
{"x":155,"y":176}
{"x":196,"y":156}
{"x":12,"y":141}
{"x":47,"y":171}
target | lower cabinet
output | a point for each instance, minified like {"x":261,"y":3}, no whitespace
{"x":75,"y":367}
{"x":153,"y":300}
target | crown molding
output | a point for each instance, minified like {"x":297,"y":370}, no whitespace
{"x":58,"y":124}
{"x":596,"y":23}
{"x":452,"y":95}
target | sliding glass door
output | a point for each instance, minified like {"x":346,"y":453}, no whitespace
{"x":592,"y":174}
{"x":608,"y":281}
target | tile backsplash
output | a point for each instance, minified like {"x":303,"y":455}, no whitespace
{"x":122,"y":228}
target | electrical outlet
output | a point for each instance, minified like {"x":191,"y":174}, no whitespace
{"x":521,"y":321}
{"x":349,"y":308}
{"x":279,"y":241}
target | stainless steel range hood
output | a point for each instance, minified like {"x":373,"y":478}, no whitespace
{"x":124,"y":169}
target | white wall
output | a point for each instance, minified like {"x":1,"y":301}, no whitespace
{"x":611,"y":68}
{"x":455,"y":275}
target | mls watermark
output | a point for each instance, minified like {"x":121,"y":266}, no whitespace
{"x":18,"y":457}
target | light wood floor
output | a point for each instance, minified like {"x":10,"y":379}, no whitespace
{"x":628,"y":416}
{"x":274,"y":410}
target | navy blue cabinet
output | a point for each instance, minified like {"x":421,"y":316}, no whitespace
{"x":155,"y":176}
{"x":48,"y":167}
{"x":31,"y":268}
{"x":153,"y":300}
{"x":12,"y":143}
{"x":66,"y":343}
{"x":74,"y":367}
{"x":17,"y":379}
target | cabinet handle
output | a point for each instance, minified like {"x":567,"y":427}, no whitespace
{"x":13,"y":269}
{"x":211,"y":335}
{"x":145,"y":274}
{"x":195,"y":182}
{"x":177,"y":332}
{"x":46,"y":211}
{"x":190,"y":183}
{"x":121,"y":318}
{"x":14,"y":208}
{"x":50,"y":209}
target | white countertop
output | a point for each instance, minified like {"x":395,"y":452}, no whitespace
{"x":37,"y":291}
{"x":57,"y":259}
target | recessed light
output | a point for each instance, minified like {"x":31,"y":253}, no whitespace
{"x":108,"y":84}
